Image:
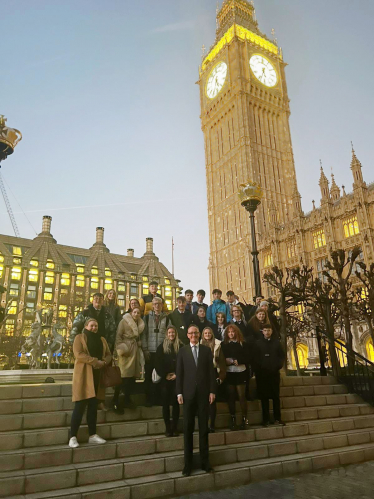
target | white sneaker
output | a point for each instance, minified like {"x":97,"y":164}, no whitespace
{"x":95,"y":439}
{"x":73,"y":442}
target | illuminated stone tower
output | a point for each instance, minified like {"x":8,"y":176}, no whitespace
{"x":245,"y":121}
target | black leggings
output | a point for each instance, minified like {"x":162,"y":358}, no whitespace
{"x":169,"y":398}
{"x":240,"y":389}
{"x":77,"y":416}
{"x":126,"y":387}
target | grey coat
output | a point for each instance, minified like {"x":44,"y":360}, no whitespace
{"x":150,"y":338}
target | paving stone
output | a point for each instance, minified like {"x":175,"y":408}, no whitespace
{"x":352,"y":456}
{"x":49,"y":437}
{"x":310,"y":445}
{"x":238,"y":437}
{"x":320,"y":427}
{"x":295,"y":430}
{"x":365,"y":422}
{"x":323,"y":390}
{"x":282,"y":449}
{"x":156,"y":427}
{"x":11,"y":407}
{"x":352,"y":398}
{"x":136,"y":448}
{"x":42,"y":405}
{"x":287,"y":391}
{"x":358,"y":438}
{"x":349,"y":411}
{"x":46,"y":420}
{"x":326,"y":461}
{"x":291,"y":402}
{"x":12,"y":486}
{"x":328,"y":412}
{"x":173,"y":464}
{"x":194,"y":483}
{"x":88,"y":453}
{"x":315,"y":400}
{"x":50,"y":481}
{"x":169,"y":444}
{"x":312,"y":380}
{"x":129,"y":430}
{"x":66,"y":390}
{"x":41,"y":391}
{"x":156,"y":489}
{"x":252,"y":453}
{"x":223,"y":456}
{"x":11,"y":462}
{"x":144,"y":468}
{"x":11,"y":441}
{"x":306,"y":414}
{"x":106,"y":473}
{"x":291,"y":381}
{"x":343,"y":425}
{"x":46,"y":458}
{"x":336,"y":441}
{"x":336,"y":399}
{"x":11,"y":392}
{"x":266,"y":471}
{"x":231,"y":478}
{"x":329,"y":380}
{"x":340,"y":389}
{"x":11,"y":422}
{"x":301,"y":391}
{"x":269,"y":433}
{"x":297,"y":466}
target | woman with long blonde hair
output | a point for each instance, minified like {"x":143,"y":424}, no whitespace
{"x":111,"y":306}
{"x":219,"y":364}
{"x":165,"y":365}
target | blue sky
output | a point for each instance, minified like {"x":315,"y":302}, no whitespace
{"x":104,"y":94}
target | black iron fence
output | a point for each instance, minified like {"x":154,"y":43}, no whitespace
{"x":351,"y":368}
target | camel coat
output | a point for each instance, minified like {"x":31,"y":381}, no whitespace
{"x":83,"y":381}
{"x":130,"y":355}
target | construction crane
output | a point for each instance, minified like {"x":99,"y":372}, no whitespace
{"x":8,"y":207}
{"x":9,"y":138}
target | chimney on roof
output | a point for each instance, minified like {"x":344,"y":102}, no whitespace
{"x":149,"y":245}
{"x":100,"y":235}
{"x":46,"y":225}
{"x":130,"y":252}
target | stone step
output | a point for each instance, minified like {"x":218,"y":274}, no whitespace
{"x":88,"y":480}
{"x":43,"y":390}
{"x":11,"y":440}
{"x":48,"y":450}
{"x":64,"y":403}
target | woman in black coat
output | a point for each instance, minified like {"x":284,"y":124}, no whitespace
{"x":269,"y":360}
{"x":111,"y":306}
{"x":165,"y":365}
{"x":237,"y":355}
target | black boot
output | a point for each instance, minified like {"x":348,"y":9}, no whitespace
{"x":168,"y":431}
{"x":245,"y":424}
{"x":233,"y":426}
{"x":174,"y":429}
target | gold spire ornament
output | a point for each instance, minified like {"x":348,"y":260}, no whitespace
{"x":9,"y":138}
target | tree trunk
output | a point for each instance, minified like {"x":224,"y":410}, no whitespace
{"x":283,"y":330}
{"x":294,"y":348}
{"x":332,"y":351}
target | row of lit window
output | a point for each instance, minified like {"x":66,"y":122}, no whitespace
{"x":268,"y":259}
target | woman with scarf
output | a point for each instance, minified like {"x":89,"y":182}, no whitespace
{"x":130,"y":357}
{"x":219,"y":363}
{"x":111,"y":306}
{"x":237,"y":353}
{"x":91,"y":354}
{"x":165,"y":365}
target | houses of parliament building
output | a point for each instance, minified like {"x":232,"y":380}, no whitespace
{"x":245,"y":121}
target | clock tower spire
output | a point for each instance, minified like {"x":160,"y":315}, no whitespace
{"x":245,"y":121}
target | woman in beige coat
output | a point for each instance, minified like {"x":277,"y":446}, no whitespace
{"x":91,"y":354}
{"x":130,"y":356}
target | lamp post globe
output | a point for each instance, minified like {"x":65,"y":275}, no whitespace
{"x":250,"y":195}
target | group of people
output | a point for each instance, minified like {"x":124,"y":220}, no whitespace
{"x":186,"y":357}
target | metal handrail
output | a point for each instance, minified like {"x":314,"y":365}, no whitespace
{"x":354,"y":370}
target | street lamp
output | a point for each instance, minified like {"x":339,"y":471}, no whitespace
{"x":250,"y":195}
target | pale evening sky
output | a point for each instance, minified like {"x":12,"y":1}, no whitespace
{"x":104,"y":94}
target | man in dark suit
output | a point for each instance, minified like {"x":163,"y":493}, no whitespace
{"x":196,"y":388}
{"x":181,"y":319}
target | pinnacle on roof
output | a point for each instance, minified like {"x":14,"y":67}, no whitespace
{"x":355,"y":161}
{"x":322,"y":178}
{"x":239,"y":12}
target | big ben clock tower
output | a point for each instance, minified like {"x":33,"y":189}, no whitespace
{"x":245,"y":121}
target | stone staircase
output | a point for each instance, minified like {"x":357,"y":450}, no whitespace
{"x":326,"y":427}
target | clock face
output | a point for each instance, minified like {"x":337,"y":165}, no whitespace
{"x":263,"y":70}
{"x":216,"y":80}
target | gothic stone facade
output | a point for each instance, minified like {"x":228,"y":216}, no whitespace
{"x":245,"y":121}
